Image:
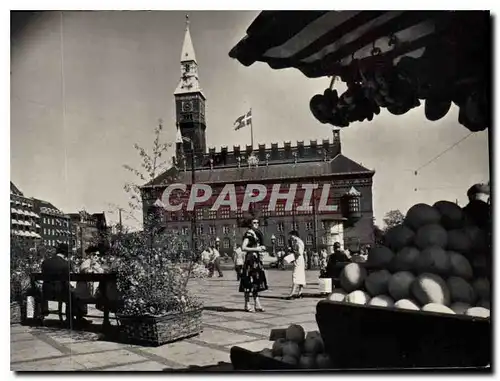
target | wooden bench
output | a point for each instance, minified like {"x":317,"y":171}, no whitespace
{"x":103,"y":279}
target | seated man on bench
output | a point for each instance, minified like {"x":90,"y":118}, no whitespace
{"x":61,"y":290}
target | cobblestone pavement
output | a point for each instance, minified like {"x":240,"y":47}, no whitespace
{"x":225,"y":324}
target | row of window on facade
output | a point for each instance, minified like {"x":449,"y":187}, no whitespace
{"x":55,"y":221}
{"x":53,"y":242}
{"x":56,"y":232}
{"x":226,"y":229}
{"x":226,"y":213}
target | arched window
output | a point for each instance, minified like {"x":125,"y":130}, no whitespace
{"x":226,"y":243}
{"x":281,"y":241}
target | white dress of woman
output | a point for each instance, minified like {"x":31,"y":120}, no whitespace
{"x":299,"y":267}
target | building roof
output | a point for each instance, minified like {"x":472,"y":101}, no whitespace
{"x":46,"y":207}
{"x":15,"y":190}
{"x":340,"y":165}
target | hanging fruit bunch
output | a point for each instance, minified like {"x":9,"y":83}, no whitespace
{"x":452,"y":69}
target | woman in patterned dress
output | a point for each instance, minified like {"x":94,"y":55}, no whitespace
{"x":253,"y":279}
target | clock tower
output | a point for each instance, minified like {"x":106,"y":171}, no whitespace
{"x":190,"y":100}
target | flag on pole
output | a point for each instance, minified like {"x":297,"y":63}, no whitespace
{"x":244,"y":120}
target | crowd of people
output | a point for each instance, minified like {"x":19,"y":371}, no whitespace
{"x":249,"y":267}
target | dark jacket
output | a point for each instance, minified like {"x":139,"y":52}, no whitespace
{"x":58,"y":266}
{"x":332,"y":269}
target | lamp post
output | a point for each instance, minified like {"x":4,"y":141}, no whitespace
{"x":193,"y":215}
{"x":273,"y":244}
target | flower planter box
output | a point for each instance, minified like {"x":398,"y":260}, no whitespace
{"x":159,"y":330}
{"x":17,"y":312}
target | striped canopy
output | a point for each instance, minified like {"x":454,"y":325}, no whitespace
{"x":320,"y":43}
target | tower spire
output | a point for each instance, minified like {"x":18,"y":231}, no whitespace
{"x":189,"y":82}
{"x":187,"y":47}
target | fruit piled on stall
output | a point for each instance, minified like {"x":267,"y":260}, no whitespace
{"x":299,"y":349}
{"x":436,"y":261}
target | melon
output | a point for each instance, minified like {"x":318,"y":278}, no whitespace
{"x":289,"y":360}
{"x":381,"y":301}
{"x":291,"y":349}
{"x":452,"y":215}
{"x":398,"y":237}
{"x":459,"y":308}
{"x":461,"y":290}
{"x":357,"y":297}
{"x":278,"y":347}
{"x":337,"y":295}
{"x":400,"y":284}
{"x":433,"y":260}
{"x":313,"y":334}
{"x":431,"y":235}
{"x":352,"y":277}
{"x":459,"y":241}
{"x":307,"y":362}
{"x":482,"y":288}
{"x":484,"y":303}
{"x":460,"y":266}
{"x":407,"y":304}
{"x":313,"y":345}
{"x":380,"y":257}
{"x":266,"y":352}
{"x":323,"y":361}
{"x":295,"y":333}
{"x":439,"y":308}
{"x":430,"y":288}
{"x":478,"y":311}
{"x":376,"y":283}
{"x":405,"y":259}
{"x":420,"y":215}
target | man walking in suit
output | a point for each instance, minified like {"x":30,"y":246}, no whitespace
{"x":58,"y":265}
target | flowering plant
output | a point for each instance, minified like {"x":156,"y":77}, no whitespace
{"x":152,"y":275}
{"x":152,"y":268}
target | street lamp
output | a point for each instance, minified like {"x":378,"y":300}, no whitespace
{"x":193,"y":214}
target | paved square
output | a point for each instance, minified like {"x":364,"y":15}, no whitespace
{"x":225,"y":324}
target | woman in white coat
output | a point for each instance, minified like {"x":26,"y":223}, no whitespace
{"x":299,"y":266}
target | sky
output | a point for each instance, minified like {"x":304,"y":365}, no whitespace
{"x":87,"y":86}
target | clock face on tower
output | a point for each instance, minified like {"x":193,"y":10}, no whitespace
{"x":187,"y":106}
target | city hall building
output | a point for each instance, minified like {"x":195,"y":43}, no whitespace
{"x":350,"y":194}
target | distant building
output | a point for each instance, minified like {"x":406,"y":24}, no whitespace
{"x":24,"y":221}
{"x":55,"y":224}
{"x":321,"y":163}
{"x":87,"y":230}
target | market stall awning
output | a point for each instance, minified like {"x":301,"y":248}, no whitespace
{"x":320,"y":43}
{"x":388,"y":59}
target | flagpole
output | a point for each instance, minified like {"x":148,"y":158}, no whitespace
{"x":251,"y":127}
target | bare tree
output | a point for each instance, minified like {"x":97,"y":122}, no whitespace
{"x":152,"y":165}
